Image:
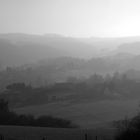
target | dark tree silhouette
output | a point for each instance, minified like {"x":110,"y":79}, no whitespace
{"x":8,"y":117}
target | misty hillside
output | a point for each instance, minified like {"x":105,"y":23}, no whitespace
{"x":61,"y":69}
{"x":10,"y":54}
{"x":133,"y":48}
{"x":56,"y":71}
{"x":32,"y":48}
{"x":19,"y":49}
{"x":54,"y":58}
{"x":92,"y":102}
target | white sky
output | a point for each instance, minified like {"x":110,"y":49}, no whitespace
{"x":77,"y":18}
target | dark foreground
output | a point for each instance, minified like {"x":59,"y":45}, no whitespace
{"x":39,"y":133}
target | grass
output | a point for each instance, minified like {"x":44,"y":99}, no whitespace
{"x":37,"y":133}
{"x":86,"y":114}
{"x":91,"y":115}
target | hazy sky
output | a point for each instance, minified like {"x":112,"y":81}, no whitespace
{"x":79,"y":18}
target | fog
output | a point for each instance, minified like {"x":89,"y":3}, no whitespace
{"x":71,"y":64}
{"x":80,"y":18}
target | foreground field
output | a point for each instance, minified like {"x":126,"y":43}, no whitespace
{"x":86,"y":114}
{"x":37,"y":133}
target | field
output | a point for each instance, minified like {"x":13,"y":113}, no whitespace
{"x":87,"y":114}
{"x":37,"y":133}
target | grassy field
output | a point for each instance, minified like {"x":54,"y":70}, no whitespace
{"x":37,"y":133}
{"x":86,"y":114}
{"x":93,"y":118}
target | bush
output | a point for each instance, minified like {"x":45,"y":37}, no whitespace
{"x":11,"y":118}
{"x":131,"y":131}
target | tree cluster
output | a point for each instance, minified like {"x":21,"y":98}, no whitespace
{"x":129,"y":129}
{"x":8,"y":117}
{"x":96,"y":87}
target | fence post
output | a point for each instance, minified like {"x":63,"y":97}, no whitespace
{"x":44,"y":138}
{"x":96,"y":138}
{"x":1,"y":137}
{"x":86,"y":136}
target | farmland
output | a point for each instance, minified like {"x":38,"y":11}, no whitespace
{"x":86,"y":114}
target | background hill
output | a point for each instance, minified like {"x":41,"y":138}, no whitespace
{"x":19,"y":49}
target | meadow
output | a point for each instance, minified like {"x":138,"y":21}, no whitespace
{"x":86,"y":114}
{"x":38,"y":133}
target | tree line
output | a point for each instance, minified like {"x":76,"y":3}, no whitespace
{"x":129,"y":129}
{"x":96,"y":87}
{"x":8,"y":117}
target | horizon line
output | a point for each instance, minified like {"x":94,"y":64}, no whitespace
{"x":70,"y":36}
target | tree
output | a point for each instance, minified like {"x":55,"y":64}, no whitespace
{"x":130,"y":129}
{"x":16,"y":86}
{"x":8,"y":117}
{"x":4,"y":106}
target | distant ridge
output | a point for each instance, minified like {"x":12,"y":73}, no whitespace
{"x":19,"y":48}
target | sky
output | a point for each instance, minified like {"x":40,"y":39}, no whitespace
{"x":76,"y":18}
